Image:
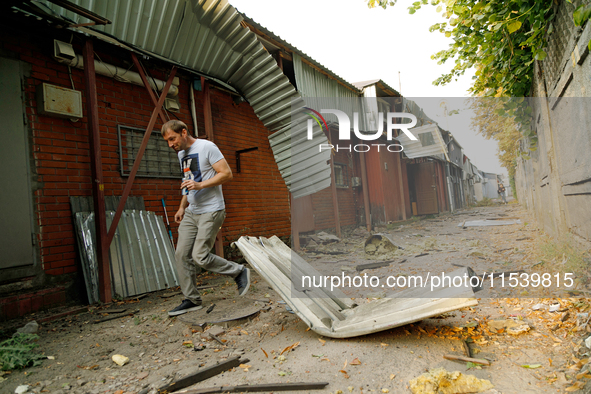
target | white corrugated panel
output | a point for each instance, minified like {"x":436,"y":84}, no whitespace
{"x":428,"y":142}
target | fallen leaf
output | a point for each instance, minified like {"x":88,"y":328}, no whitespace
{"x":243,"y":332}
{"x":385,"y":391}
{"x":244,"y":367}
{"x":384,"y":344}
{"x":322,"y":341}
{"x":266,"y":355}
{"x":356,"y":361}
{"x":531,"y":366}
{"x":392,"y":376}
{"x":345,"y":373}
{"x":576,"y":386}
{"x":325,"y":359}
{"x":345,"y":366}
{"x":289,"y":348}
{"x":317,"y":355}
{"x":582,"y":375}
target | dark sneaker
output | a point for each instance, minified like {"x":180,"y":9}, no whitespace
{"x":184,"y":307}
{"x":243,"y":281}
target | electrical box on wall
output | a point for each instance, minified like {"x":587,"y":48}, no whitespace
{"x":172,"y":105}
{"x":58,"y":101}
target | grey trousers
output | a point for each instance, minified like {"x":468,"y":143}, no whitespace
{"x":197,"y":233}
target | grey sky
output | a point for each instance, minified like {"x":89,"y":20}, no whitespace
{"x":360,"y":44}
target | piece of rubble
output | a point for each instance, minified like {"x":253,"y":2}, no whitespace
{"x":380,"y":244}
{"x":120,"y":359}
{"x":440,"y":381}
{"x":511,"y":326}
{"x":327,"y":238}
{"x":30,"y":328}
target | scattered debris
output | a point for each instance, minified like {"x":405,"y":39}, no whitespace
{"x":422,"y":254}
{"x":269,"y":387}
{"x":210,"y":308}
{"x":370,"y":266}
{"x":199,"y":376}
{"x":511,"y":326}
{"x":30,"y":328}
{"x":453,"y":357}
{"x":120,"y":359}
{"x":116,"y":317}
{"x":380,"y":244}
{"x":22,"y":389}
{"x":554,"y":308}
{"x":440,"y":381}
{"x":489,"y":222}
{"x":326,"y":238}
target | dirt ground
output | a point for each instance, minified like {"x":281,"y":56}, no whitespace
{"x":161,"y":349}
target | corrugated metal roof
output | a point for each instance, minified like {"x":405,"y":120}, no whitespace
{"x":390,"y":91}
{"x":297,"y":51}
{"x":207,"y":36}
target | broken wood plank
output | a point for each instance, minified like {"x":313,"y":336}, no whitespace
{"x":120,"y":310}
{"x":168,"y":295}
{"x":213,"y":336}
{"x":199,"y":376}
{"x":453,"y":357}
{"x":467,"y":351}
{"x":370,"y":266}
{"x":116,"y":317}
{"x":270,"y":387}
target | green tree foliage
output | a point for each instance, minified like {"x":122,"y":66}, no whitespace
{"x":491,"y":121}
{"x":500,"y":39}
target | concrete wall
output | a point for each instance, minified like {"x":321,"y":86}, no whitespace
{"x":555,"y":182}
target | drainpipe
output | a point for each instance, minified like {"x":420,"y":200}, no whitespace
{"x":118,"y":73}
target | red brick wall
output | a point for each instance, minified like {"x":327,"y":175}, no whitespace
{"x":256,"y":200}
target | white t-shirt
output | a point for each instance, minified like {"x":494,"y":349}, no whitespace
{"x":198,"y":161}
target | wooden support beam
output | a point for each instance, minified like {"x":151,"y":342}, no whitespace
{"x":268,"y":387}
{"x":208,"y":120}
{"x":138,"y":159}
{"x":201,"y":375}
{"x":335,"y":200}
{"x":140,"y":70}
{"x":401,"y":184}
{"x":96,"y":167}
{"x":207,"y":117}
{"x":365,"y":191}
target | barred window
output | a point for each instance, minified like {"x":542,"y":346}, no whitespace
{"x":159,"y":161}
{"x":340,"y":175}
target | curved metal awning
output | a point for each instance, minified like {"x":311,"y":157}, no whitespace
{"x":207,"y":36}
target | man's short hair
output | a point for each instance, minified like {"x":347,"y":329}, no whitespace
{"x":174,"y":125}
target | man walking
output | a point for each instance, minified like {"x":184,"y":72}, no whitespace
{"x":201,"y":214}
{"x":501,"y":191}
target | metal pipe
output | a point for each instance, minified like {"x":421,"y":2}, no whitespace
{"x":118,"y":73}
